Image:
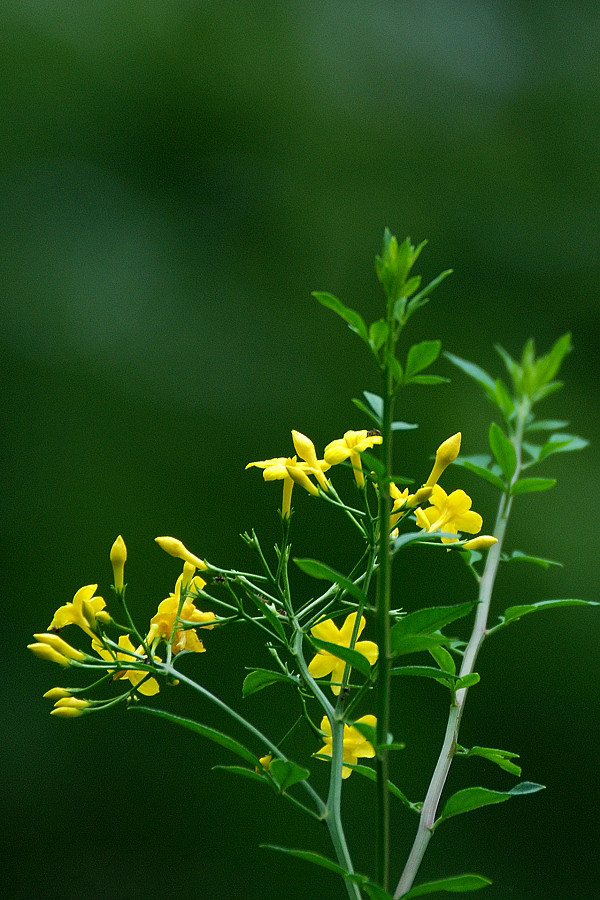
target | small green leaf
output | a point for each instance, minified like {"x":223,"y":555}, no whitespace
{"x":368,"y":412}
{"x":354,"y":320}
{"x":427,"y":379}
{"x":205,"y":731}
{"x":420,"y":298}
{"x":269,"y":614}
{"x":403,"y":426}
{"x":512,"y":366}
{"x":453,"y":885}
{"x":477,"y":797}
{"x":375,"y":402}
{"x":422,"y":355}
{"x":504,"y":401}
{"x":546,"y":391}
{"x":475,"y":372}
{"x":251,"y":774}
{"x":439,"y":675}
{"x":467,"y":681}
{"x":374,"y":464}
{"x":378,"y":333}
{"x":513,"y":613}
{"x":394,"y":366}
{"x":443,"y":658}
{"x":501,"y":758}
{"x":481,"y":472}
{"x":547,"y":366}
{"x":286,"y":773}
{"x":546,"y":425}
{"x":429,"y":619}
{"x":574,"y":442}
{"x":416,"y":643}
{"x":531,"y":485}
{"x":517,"y":556}
{"x":503,"y":450}
{"x":352,"y":657}
{"x":262,"y":678}
{"x":310,"y":856}
{"x":320,"y":570}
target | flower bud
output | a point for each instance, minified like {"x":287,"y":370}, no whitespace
{"x":177,"y":549}
{"x":305,"y":448}
{"x":446,"y":453}
{"x":187,"y":574}
{"x":57,"y":643}
{"x":44,"y":651}
{"x":301,"y":478}
{"x":480,"y":543}
{"x":56,"y":693}
{"x":72,"y":703}
{"x":68,"y":712}
{"x":419,"y":497}
{"x":118,"y":557}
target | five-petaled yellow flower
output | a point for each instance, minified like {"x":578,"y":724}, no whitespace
{"x":449,"y":512}
{"x":83,"y":610}
{"x":135,"y":676}
{"x":324,"y":663}
{"x":355,"y":745}
{"x":290,"y":469}
{"x":162,"y":624}
{"x":351,"y":446}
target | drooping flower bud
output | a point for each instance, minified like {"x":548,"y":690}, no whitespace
{"x":177,"y":549}
{"x":446,"y":453}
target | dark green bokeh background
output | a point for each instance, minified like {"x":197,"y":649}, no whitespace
{"x":176,"y":178}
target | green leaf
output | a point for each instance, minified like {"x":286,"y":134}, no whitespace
{"x":417,"y":643}
{"x":422,"y":355}
{"x":546,"y":425}
{"x":547,"y":366}
{"x":251,"y":774}
{"x":481,"y":472}
{"x":354,"y":320}
{"x":319,"y":570}
{"x":262,"y":678}
{"x":546,"y":391}
{"x":375,"y":402}
{"x":352,"y":657}
{"x":512,"y":366}
{"x":503,"y":450}
{"x":439,"y":675}
{"x":504,"y":401}
{"x":467,"y":681}
{"x":374,"y":464}
{"x":368,"y":412}
{"x":403,"y":426}
{"x":530,"y":485}
{"x":394,"y":366}
{"x":420,"y":298}
{"x":513,"y":613}
{"x":477,"y":797}
{"x":378,"y":333}
{"x":453,"y":885}
{"x":269,"y":614}
{"x":574,"y":442}
{"x":310,"y":856}
{"x":517,"y":556}
{"x":427,"y":379}
{"x":205,"y":731}
{"x":429,"y":619}
{"x":286,"y":773}
{"x":443,"y":658}
{"x":371,"y":774}
{"x":501,"y":758}
{"x":478,"y":374}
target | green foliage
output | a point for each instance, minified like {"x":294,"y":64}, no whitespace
{"x":261,"y":678}
{"x":518,"y":556}
{"x":476,"y":797}
{"x":211,"y":734}
{"x":455,"y":884}
{"x":320,"y":570}
{"x":514,"y":613}
{"x":502,"y":758}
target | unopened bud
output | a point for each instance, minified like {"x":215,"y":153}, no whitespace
{"x":57,"y":643}
{"x":56,"y":693}
{"x":446,"y":453}
{"x":118,"y":558}
{"x":483,"y":542}
{"x":419,"y":497}
{"x":187,"y":574}
{"x":177,"y":549}
{"x":301,"y":478}
{"x":45,"y":651}
{"x":68,"y":712}
{"x":72,"y":703}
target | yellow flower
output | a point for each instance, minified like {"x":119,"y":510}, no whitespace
{"x":483,"y":542}
{"x":449,"y":512}
{"x":57,"y":643}
{"x":118,"y":558}
{"x":446,"y":453}
{"x":324,"y":663}
{"x":83,"y":610}
{"x":265,"y":762}
{"x":403,"y":501}
{"x":352,"y":445}
{"x":355,"y":745}
{"x":162,"y":624}
{"x":289,"y":470}
{"x":135,"y":676}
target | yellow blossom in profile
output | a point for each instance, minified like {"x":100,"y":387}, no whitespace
{"x":483,"y":542}
{"x":325,"y":663}
{"x":128,"y":654}
{"x":291,"y":470}
{"x":162,"y":624}
{"x":351,"y":446}
{"x":83,"y":610}
{"x":176,"y":548}
{"x":449,"y":512}
{"x":355,"y":744}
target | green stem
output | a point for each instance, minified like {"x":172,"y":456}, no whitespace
{"x":478,"y":634}
{"x":383,"y":603}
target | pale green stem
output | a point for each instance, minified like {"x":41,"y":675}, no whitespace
{"x":478,"y":634}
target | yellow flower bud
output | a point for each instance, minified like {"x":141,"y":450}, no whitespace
{"x":418,"y":497}
{"x":68,"y":712}
{"x":305,"y":449}
{"x":118,"y":557}
{"x":72,"y":703}
{"x":446,"y":453}
{"x":177,"y":549}
{"x":187,"y":574}
{"x":265,"y":762}
{"x":57,"y":643}
{"x":56,"y":693}
{"x":44,"y":651}
{"x":480,"y":543}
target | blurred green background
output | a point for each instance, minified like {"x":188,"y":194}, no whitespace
{"x":176,"y":178}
